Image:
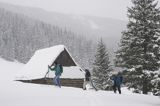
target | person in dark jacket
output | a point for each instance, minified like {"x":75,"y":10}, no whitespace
{"x":58,"y":71}
{"x":87,"y":78}
{"x":118,"y":79}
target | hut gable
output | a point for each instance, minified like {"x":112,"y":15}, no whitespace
{"x":65,"y":59}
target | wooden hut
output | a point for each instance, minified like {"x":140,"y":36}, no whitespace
{"x":37,"y":67}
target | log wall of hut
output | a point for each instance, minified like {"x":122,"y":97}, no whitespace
{"x":78,"y":83}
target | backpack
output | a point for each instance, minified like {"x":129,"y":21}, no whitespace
{"x":61,"y":68}
{"x":87,"y":76}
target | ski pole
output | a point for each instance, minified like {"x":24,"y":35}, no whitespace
{"x":46,"y":73}
{"x":93,"y":84}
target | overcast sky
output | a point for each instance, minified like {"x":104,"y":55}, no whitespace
{"x":104,"y":8}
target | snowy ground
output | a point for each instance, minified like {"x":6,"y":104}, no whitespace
{"x":13,"y":93}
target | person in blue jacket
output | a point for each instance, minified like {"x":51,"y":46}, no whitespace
{"x":58,"y":71}
{"x":118,"y":79}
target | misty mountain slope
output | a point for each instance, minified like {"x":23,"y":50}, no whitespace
{"x":89,"y":26}
{"x":20,"y":36}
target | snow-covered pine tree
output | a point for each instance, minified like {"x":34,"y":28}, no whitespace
{"x":101,"y":68}
{"x":140,"y":45}
{"x":156,"y":83}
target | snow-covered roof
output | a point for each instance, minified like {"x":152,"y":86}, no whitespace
{"x":38,"y":65}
